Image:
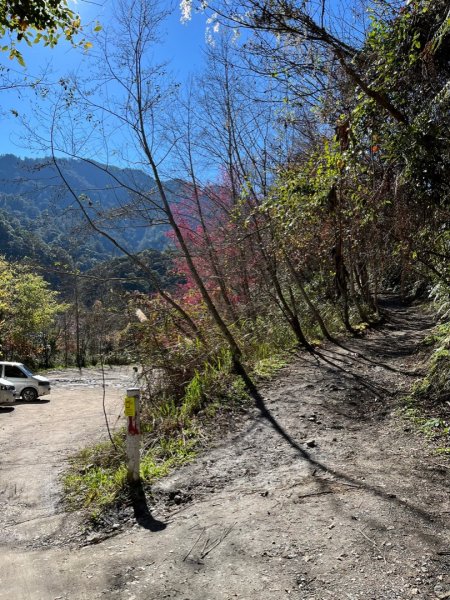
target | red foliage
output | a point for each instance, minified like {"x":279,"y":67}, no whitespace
{"x":214,"y":232}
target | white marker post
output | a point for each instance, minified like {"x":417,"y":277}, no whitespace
{"x":133,"y":416}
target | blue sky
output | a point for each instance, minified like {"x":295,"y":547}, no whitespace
{"x":183,"y":46}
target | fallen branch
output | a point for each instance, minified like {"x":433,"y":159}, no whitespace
{"x":367,"y":538}
{"x":315,"y":494}
{"x":198,"y":539}
{"x":204,"y":548}
{"x":372,"y":542}
{"x":205,"y":551}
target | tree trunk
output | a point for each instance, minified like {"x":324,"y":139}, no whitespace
{"x":316,"y":314}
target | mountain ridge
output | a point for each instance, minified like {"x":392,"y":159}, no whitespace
{"x":36,"y":204}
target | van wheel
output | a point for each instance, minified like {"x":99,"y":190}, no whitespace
{"x":29,"y":394}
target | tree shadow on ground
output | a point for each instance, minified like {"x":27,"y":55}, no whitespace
{"x":371,"y":386}
{"x":332,"y":364}
{"x":316,"y":465}
{"x":390,"y":348}
{"x":363,"y":359}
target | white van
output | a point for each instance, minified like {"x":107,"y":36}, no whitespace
{"x":8,"y":392}
{"x":28,"y":386}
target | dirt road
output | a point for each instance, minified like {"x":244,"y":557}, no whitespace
{"x":35,"y":440}
{"x":351,"y":503}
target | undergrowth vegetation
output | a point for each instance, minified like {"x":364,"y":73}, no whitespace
{"x":428,"y":405}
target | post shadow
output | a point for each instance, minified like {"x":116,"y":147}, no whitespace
{"x":141,"y":510}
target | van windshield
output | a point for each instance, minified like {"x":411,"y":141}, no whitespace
{"x":26,"y":371}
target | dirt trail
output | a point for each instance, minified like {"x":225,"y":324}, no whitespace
{"x":355,"y":507}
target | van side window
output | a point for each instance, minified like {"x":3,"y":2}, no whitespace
{"x":12,"y":371}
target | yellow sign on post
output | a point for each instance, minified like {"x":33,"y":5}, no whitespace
{"x":133,"y":440}
{"x":130,"y":406}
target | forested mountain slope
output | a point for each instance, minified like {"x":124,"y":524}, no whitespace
{"x":39,"y":218}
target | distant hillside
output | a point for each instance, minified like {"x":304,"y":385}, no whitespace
{"x":40,"y":219}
